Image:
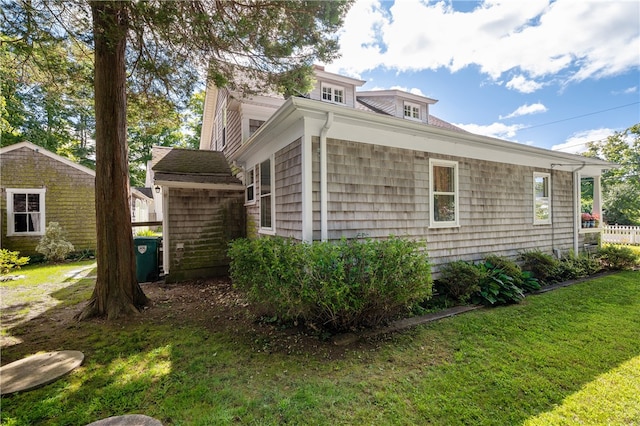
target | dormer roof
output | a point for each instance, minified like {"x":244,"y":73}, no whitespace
{"x":396,"y":93}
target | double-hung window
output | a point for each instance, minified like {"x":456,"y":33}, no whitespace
{"x":250,"y":183}
{"x":266,"y":198}
{"x":411,"y":111}
{"x":541,"y":198}
{"x":443,"y":185}
{"x":332,"y":93}
{"x":25,"y":211}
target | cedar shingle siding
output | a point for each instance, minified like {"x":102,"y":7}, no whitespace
{"x":69,"y":198}
{"x":378,"y":191}
{"x":204,"y":222}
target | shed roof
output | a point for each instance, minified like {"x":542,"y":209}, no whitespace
{"x":191,"y":165}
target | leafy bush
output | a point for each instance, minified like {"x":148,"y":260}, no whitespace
{"x":572,"y":267}
{"x":10,"y":260}
{"x":146,"y":233}
{"x":617,"y":257}
{"x":53,"y":244}
{"x":543,"y":266}
{"x":459,"y":280}
{"x":336,"y":285}
{"x":496,"y":286}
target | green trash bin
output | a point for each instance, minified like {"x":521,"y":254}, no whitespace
{"x":146,"y":249}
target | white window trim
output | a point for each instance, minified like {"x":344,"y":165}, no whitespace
{"x":10,"y":212}
{"x":412,"y":105}
{"x":333,"y":93}
{"x":432,"y":222}
{"x":537,"y":221}
{"x":272,"y":194}
{"x":247,"y":201}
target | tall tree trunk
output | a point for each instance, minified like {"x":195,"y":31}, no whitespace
{"x":117,"y":291}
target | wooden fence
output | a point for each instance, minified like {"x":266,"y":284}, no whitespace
{"x":627,"y":235}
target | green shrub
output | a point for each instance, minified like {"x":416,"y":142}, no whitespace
{"x":11,"y":260}
{"x":335,"y":285}
{"x":496,"y":287}
{"x":459,"y":280}
{"x":617,"y":257}
{"x":573,"y":267}
{"x":146,"y":233}
{"x":543,"y":266}
{"x":53,"y":244}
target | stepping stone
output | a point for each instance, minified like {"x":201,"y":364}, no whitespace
{"x":37,"y":370}
{"x":127,"y":420}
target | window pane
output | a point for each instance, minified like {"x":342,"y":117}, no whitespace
{"x":19,"y":202}
{"x":444,"y":208}
{"x":265,"y":211}
{"x":326,"y":93}
{"x":542,"y":186}
{"x":338,"y":96}
{"x":443,"y":179}
{"x":542,"y":209}
{"x":20,"y":223}
{"x":34,"y":203}
{"x":265,"y":177}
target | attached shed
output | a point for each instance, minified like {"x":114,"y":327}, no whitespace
{"x":39,"y":187}
{"x":203,"y":205}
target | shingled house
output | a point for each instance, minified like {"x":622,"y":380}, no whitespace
{"x":202,"y":211}
{"x":338,"y":162}
{"x":39,"y":187}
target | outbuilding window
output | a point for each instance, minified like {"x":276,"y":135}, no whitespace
{"x":541,"y":198}
{"x":443,"y":178}
{"x":25,"y":211}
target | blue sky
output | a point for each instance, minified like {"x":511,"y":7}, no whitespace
{"x":552,"y":74}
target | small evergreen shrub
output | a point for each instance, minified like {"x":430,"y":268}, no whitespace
{"x":542,"y":266}
{"x":53,"y":244}
{"x":459,"y":280}
{"x":334,"y":285}
{"x":11,"y":260}
{"x":617,"y":257}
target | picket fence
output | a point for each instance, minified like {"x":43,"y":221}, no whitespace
{"x":615,"y":234}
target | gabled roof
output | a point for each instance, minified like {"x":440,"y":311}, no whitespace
{"x":47,"y":153}
{"x":192,"y":165}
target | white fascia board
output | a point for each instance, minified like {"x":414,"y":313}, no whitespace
{"x":395,"y":93}
{"x":199,"y":185}
{"x":329,"y":76}
{"x":49,"y":154}
{"x":208,"y":116}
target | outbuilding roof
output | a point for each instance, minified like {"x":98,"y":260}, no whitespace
{"x":191,"y":165}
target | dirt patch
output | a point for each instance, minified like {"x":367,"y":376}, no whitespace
{"x":212,"y":304}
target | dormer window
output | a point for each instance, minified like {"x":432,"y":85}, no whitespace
{"x":411,"y":111}
{"x":332,"y":93}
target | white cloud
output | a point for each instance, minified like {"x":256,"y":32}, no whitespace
{"x":627,"y":91}
{"x":577,"y":143}
{"x":532,"y":39}
{"x":494,"y":130}
{"x":523,"y":85}
{"x":526,"y":110}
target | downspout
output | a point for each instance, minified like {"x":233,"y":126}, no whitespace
{"x":324,"y":223}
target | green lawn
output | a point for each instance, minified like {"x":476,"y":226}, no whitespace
{"x":569,"y":356}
